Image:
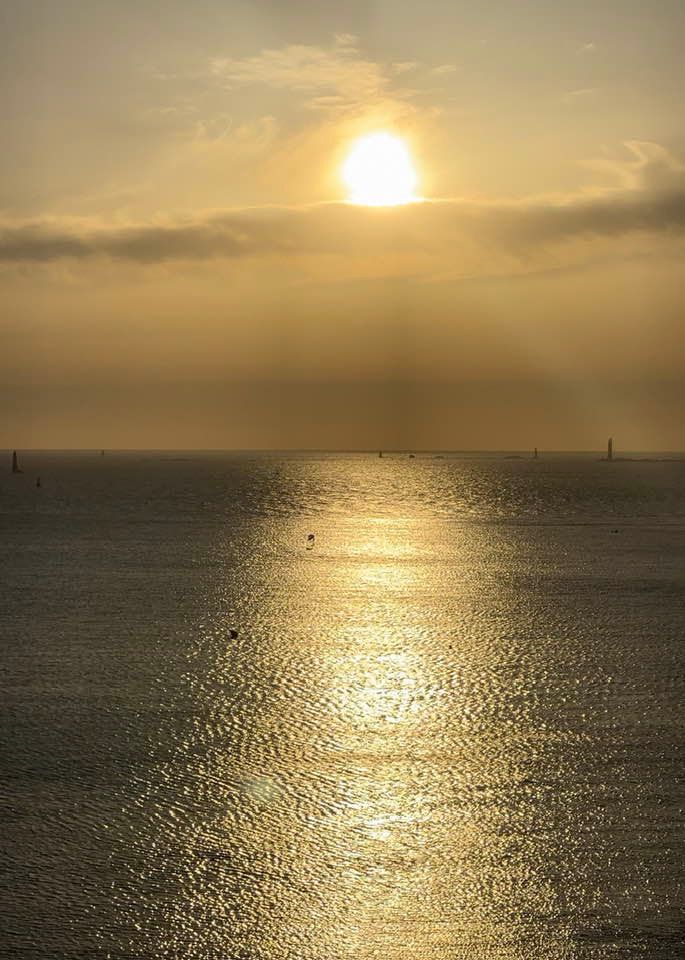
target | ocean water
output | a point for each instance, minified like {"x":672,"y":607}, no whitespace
{"x":449,"y":729}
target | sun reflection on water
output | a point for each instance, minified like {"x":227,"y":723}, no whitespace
{"x":359,"y":757}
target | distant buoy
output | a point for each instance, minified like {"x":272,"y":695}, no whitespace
{"x":233,"y":633}
{"x":310,"y":540}
{"x":37,"y":481}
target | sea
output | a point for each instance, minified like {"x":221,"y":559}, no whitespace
{"x":337,"y":706}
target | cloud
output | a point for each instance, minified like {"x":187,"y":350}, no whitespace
{"x":404,"y":66}
{"x":337,"y":78}
{"x":346,"y":39}
{"x":339,"y":72}
{"x":650,"y":167}
{"x":587,"y":48}
{"x":444,"y":70}
{"x":583,"y":94}
{"x":653,"y":202}
{"x":308,"y":87}
{"x":250,"y":138}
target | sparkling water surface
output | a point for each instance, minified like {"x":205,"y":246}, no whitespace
{"x":450,"y":729}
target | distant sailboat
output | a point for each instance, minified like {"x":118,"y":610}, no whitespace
{"x":535,"y":454}
{"x":610,"y":449}
{"x":15,"y":463}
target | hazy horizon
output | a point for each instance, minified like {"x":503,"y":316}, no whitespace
{"x":183,"y":262}
{"x":389,"y":452}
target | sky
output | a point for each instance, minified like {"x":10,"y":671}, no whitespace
{"x":180,"y":266}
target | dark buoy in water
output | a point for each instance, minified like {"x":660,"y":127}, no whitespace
{"x":38,"y":481}
{"x":310,"y":540}
{"x":233,"y":633}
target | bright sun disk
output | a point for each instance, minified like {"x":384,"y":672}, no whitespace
{"x":379,"y":173}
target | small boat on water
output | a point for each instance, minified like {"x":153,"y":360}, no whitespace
{"x":15,"y":463}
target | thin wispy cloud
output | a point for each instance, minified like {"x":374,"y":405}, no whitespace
{"x":649,"y":167}
{"x":338,"y":79}
{"x":405,"y":66}
{"x":335,"y":78}
{"x":574,"y":96}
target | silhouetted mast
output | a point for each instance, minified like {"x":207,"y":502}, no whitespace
{"x":15,"y":463}
{"x":535,"y":454}
{"x":610,"y":449}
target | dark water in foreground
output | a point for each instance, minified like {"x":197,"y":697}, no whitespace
{"x":450,"y":730}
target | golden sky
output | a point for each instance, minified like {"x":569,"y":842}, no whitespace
{"x":180,"y":267}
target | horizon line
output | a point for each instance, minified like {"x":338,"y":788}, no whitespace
{"x":370,"y":450}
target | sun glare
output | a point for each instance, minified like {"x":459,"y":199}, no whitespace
{"x":379,"y":173}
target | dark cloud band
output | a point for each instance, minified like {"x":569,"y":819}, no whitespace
{"x":433,"y":226}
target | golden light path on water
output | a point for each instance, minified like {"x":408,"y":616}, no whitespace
{"x":415,"y":867}
{"x":372,"y":769}
{"x":452,"y":728}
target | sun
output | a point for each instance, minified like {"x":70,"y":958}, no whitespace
{"x":378,"y":172}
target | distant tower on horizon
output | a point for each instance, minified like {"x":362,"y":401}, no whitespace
{"x":610,"y":449}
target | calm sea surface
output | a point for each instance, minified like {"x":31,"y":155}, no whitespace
{"x":451,"y":729}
